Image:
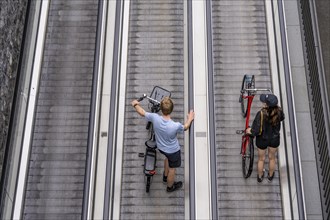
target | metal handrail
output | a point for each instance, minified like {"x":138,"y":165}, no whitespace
{"x":91,"y":127}
{"x":292,"y":118}
{"x":112,"y":116}
{"x":212,"y":127}
{"x":192,"y":185}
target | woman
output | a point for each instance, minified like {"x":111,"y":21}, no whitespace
{"x":266,"y":127}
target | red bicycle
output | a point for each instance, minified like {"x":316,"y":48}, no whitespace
{"x":248,"y":91}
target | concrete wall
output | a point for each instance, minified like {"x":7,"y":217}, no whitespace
{"x":12,"y":18}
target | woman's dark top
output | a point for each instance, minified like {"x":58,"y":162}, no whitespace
{"x":270,"y":134}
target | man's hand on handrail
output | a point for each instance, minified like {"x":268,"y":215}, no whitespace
{"x":190,"y":118}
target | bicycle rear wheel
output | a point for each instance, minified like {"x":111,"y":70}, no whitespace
{"x":247,"y":83}
{"x":248,"y":157}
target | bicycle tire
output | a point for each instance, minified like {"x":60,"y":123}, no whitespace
{"x":248,"y":157}
{"x":148,"y":184}
{"x":248,"y":82}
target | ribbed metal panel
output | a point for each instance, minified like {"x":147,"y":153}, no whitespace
{"x":56,"y":172}
{"x":240,"y":46}
{"x":317,"y":106}
{"x":155,"y":57}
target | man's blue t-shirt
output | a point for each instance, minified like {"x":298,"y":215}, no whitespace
{"x":166,"y":131}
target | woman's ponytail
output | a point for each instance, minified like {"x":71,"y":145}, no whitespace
{"x":274,"y":114}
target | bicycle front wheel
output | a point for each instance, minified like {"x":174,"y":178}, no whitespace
{"x":247,"y":157}
{"x":247,"y":83}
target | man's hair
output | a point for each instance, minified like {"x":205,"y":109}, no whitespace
{"x":166,"y":105}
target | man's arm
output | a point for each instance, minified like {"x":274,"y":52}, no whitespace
{"x":190,"y":118}
{"x":138,"y":108}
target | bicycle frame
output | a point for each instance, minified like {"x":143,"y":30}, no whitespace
{"x":250,"y":98}
{"x":247,"y":119}
{"x":150,"y":156}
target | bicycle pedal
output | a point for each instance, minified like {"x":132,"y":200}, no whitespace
{"x":141,"y":154}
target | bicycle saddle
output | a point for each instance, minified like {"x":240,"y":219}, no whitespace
{"x":151,"y":144}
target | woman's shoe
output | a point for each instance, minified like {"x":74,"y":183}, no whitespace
{"x":260,"y":179}
{"x":270,"y":178}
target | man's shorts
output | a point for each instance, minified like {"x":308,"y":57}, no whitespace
{"x":264,"y":143}
{"x":174,"y":159}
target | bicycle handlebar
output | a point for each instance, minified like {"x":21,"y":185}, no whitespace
{"x":149,"y":98}
{"x":141,"y":98}
{"x":256,"y":90}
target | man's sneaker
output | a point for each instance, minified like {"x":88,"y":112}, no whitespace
{"x":176,"y":186}
{"x":164,"y":178}
{"x":270,"y":178}
{"x":260,"y":179}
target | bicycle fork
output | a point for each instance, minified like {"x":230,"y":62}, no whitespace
{"x":243,"y":146}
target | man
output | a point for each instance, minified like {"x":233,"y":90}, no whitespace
{"x":166,"y":138}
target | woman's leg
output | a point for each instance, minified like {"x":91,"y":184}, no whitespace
{"x":271,"y":155}
{"x":261,"y":161}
